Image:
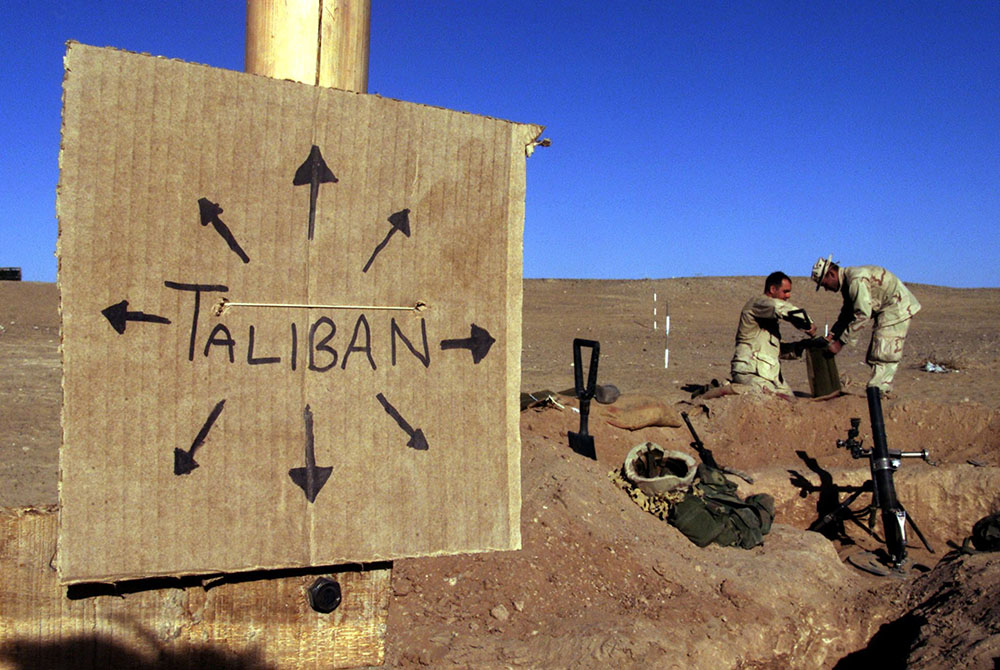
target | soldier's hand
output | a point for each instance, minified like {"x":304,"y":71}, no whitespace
{"x":835,"y":346}
{"x":812,"y":330}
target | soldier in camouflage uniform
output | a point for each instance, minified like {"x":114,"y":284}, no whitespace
{"x":869,"y":292}
{"x":758,"y":338}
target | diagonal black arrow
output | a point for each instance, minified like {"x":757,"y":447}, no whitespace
{"x":310,"y":478}
{"x":210,"y":214}
{"x":313,"y":171}
{"x":478,"y":343}
{"x":118,"y":315}
{"x":400,"y":221}
{"x":417,"y":439}
{"x":184,"y":460}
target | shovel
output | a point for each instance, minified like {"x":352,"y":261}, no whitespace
{"x":581,"y":442}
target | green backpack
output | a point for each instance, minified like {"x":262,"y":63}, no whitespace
{"x":712,"y":512}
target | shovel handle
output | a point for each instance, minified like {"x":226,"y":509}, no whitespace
{"x":585,"y":392}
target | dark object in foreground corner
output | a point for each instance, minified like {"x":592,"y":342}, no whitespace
{"x":10,"y":274}
{"x":882,"y":462}
{"x":706,"y":455}
{"x":583,"y":443}
{"x":985,"y":535}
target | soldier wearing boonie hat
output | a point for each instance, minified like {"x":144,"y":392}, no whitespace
{"x":869,"y":292}
{"x":820,"y":268}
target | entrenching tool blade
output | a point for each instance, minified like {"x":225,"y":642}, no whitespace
{"x":583,"y":443}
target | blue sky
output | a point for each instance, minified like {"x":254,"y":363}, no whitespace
{"x":689,"y":137}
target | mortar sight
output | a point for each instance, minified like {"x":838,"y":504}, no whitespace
{"x":852,"y":442}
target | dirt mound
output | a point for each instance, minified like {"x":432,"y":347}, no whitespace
{"x":600,"y":582}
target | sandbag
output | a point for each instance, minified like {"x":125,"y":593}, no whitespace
{"x":635,"y":411}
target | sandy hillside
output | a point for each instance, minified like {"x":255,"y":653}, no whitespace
{"x":601,"y":583}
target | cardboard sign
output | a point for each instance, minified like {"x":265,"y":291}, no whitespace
{"x":291,"y":323}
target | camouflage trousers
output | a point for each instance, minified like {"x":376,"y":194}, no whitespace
{"x":752,"y":382}
{"x":884,"y":353}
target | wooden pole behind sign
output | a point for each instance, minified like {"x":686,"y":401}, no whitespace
{"x":318,"y":42}
{"x":325,"y":43}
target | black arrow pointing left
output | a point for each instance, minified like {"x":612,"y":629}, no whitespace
{"x":209,"y":212}
{"x":417,"y":439}
{"x":118,"y":314}
{"x":184,"y":460}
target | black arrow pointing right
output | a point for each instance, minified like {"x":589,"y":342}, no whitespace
{"x":400,"y":221}
{"x":478,"y":343}
{"x":118,"y":315}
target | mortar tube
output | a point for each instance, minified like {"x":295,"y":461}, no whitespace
{"x":893,"y":514}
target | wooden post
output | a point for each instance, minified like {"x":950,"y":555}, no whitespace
{"x":318,"y":42}
{"x":248,"y":620}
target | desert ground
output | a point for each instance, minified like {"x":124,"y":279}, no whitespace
{"x":601,"y":583}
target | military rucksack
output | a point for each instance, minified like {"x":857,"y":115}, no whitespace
{"x":712,"y":512}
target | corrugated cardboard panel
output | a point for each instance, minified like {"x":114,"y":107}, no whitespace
{"x":258,"y":623}
{"x":322,"y":417}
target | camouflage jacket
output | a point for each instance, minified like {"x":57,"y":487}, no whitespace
{"x":758,"y":337}
{"x":871,"y":292}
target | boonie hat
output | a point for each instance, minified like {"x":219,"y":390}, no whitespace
{"x":820,"y":268}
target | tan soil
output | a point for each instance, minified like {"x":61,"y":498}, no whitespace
{"x":599,"y":582}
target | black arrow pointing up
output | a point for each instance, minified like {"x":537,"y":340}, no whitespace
{"x":314,"y":172}
{"x":417,"y":439}
{"x":400,"y":221}
{"x":184,"y":460}
{"x":118,"y":314}
{"x":310,"y":478}
{"x":478,"y":343}
{"x":210,"y":214}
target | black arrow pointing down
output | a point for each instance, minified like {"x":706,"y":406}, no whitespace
{"x":311,"y":478}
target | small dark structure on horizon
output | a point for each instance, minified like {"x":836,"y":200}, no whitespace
{"x":10,"y":274}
